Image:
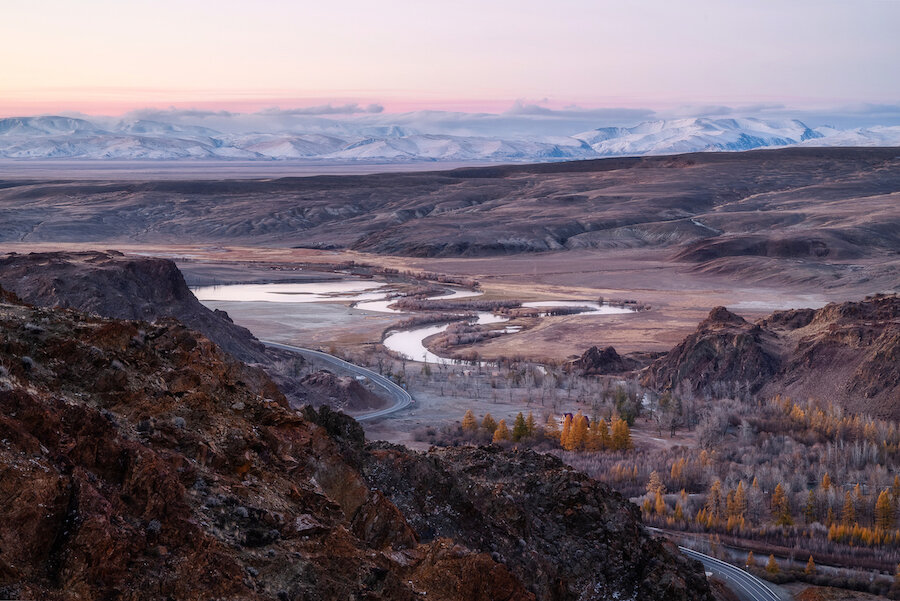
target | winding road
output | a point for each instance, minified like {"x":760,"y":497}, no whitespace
{"x":746,"y":586}
{"x":401,"y":398}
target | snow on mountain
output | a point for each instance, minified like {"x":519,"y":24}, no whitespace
{"x":459,"y":148}
{"x":696,"y":135}
{"x":868,"y":136}
{"x":368,"y":139}
{"x":45,"y":126}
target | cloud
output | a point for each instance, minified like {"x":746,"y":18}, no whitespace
{"x":326,"y":109}
{"x":574,"y":112}
{"x":173,"y":113}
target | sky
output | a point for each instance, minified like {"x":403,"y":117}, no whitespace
{"x":110,"y":57}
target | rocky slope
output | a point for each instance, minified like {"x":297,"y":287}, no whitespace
{"x":562,"y":534}
{"x":124,"y":287}
{"x":596,"y":361}
{"x":139,"y":461}
{"x":848,"y":353}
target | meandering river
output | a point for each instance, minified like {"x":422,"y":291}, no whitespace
{"x":377,"y":297}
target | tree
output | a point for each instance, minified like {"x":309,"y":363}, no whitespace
{"x":655,"y":484}
{"x":660,"y":505}
{"x":551,"y":430}
{"x":488,"y":423}
{"x":848,"y":513}
{"x":578,"y":434}
{"x":739,"y":508}
{"x":530,"y":424}
{"x":621,"y":435}
{"x":781,"y":508}
{"x":772,"y":565}
{"x":810,"y":567}
{"x":826,"y":481}
{"x":809,"y":512}
{"x":565,"y":438}
{"x":520,"y":428}
{"x":501,"y":434}
{"x":469,"y":423}
{"x":714,"y":504}
{"x":884,"y":511}
{"x":751,"y":561}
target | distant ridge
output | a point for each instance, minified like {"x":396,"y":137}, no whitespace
{"x":55,"y":137}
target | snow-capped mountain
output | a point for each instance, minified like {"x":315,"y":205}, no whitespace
{"x":376,"y":139}
{"x":696,"y":135}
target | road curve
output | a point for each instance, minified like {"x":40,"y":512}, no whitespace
{"x":746,"y":586}
{"x":401,"y":398}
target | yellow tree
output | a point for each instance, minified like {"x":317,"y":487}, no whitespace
{"x":884,"y":511}
{"x":659,"y":505}
{"x":469,"y":423}
{"x":751,"y":561}
{"x":551,"y":429}
{"x":565,"y":439}
{"x":489,"y":423}
{"x":501,"y":434}
{"x":826,"y":481}
{"x":781,"y":508}
{"x":810,"y":567}
{"x":772,"y":565}
{"x":655,"y":484}
{"x":714,"y":504}
{"x":594,"y":437}
{"x":848,"y":514}
{"x":621,"y":435}
{"x":578,"y":435}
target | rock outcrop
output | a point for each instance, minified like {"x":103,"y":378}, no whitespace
{"x":139,"y":461}
{"x":564,"y":535}
{"x":111,"y":284}
{"x":847,"y":353}
{"x":725,"y":351}
{"x":597,"y":361}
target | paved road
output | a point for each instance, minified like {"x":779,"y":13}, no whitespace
{"x":400,"y":397}
{"x":746,"y":586}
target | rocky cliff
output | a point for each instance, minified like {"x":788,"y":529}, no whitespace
{"x":111,"y":284}
{"x":139,"y":461}
{"x":848,"y":353}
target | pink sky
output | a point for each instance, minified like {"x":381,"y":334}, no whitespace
{"x":107,"y":57}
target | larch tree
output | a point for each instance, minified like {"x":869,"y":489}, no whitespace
{"x":781,"y":508}
{"x":810,"y":512}
{"x":659,"y":505}
{"x":810,"y":567}
{"x":578,"y":435}
{"x":530,"y":425}
{"x":621,"y":435}
{"x":489,"y":423}
{"x":551,"y":429}
{"x":469,"y":423}
{"x":884,"y":511}
{"x":520,"y":428}
{"x":565,"y":437}
{"x":714,"y":504}
{"x":772,"y":565}
{"x":501,"y":433}
{"x":655,"y":484}
{"x":848,"y":513}
{"x":751,"y":561}
{"x":740,"y":501}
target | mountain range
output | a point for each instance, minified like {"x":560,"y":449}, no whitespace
{"x":335,"y":140}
